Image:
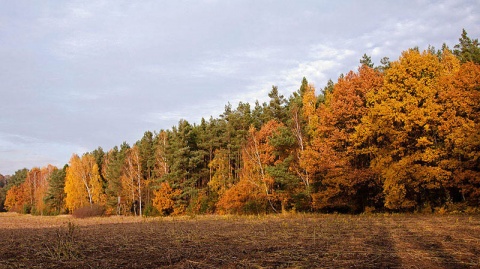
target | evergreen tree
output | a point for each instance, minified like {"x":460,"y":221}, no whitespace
{"x":467,"y":50}
{"x":276,"y":107}
{"x":366,"y":60}
{"x":184,"y":161}
{"x":326,"y":90}
{"x":55,"y":196}
{"x":147,"y":154}
{"x":147,"y":159}
{"x":283,"y":169}
{"x":112,"y":168}
{"x":384,"y":65}
{"x":99,"y":155}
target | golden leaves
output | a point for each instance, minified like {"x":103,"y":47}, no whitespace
{"x":82,"y":183}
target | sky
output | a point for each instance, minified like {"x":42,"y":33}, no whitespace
{"x":76,"y":75}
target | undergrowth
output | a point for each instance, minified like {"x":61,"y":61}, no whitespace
{"x":64,"y":245}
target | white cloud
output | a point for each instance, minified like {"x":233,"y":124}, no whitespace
{"x":322,"y":51}
{"x":314,"y":71}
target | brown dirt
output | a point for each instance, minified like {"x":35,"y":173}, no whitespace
{"x":279,"y":241}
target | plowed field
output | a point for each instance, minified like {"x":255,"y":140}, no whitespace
{"x":279,"y":241}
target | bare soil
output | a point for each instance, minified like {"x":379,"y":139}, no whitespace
{"x":277,"y":241}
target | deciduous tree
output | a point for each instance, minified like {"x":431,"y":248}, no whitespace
{"x":255,"y":181}
{"x":83,"y":184}
{"x":164,"y":200}
{"x":346,"y":181}
{"x":133,"y":183}
{"x":401,"y":132}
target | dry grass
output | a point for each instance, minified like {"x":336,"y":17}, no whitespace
{"x":288,"y":241}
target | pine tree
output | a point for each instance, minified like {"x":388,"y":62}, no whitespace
{"x":55,"y":196}
{"x":467,"y":50}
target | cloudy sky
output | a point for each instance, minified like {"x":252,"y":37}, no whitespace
{"x":75,"y":75}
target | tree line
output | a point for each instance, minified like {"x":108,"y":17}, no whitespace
{"x":402,"y":136}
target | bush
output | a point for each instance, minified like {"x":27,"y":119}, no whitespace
{"x":89,"y":211}
{"x":27,"y":208}
{"x":150,"y":211}
{"x":64,"y":245}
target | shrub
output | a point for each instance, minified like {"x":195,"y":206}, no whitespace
{"x":150,"y":211}
{"x":64,"y":245}
{"x":89,"y":211}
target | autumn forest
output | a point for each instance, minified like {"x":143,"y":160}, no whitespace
{"x":403,"y":136}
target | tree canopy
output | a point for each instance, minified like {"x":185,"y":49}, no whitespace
{"x":402,"y":136}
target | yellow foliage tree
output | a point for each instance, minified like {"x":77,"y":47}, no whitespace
{"x":311,"y":154}
{"x":401,"y":130}
{"x":132,"y":180}
{"x":460,"y":130}
{"x":83,"y":184}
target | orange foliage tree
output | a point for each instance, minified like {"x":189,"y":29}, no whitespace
{"x":402,"y":130}
{"x":29,"y":196}
{"x":15,"y":199}
{"x":255,"y":192}
{"x":346,"y":181}
{"x":459,"y":129}
{"x":164,"y":200}
{"x":37,"y":186}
